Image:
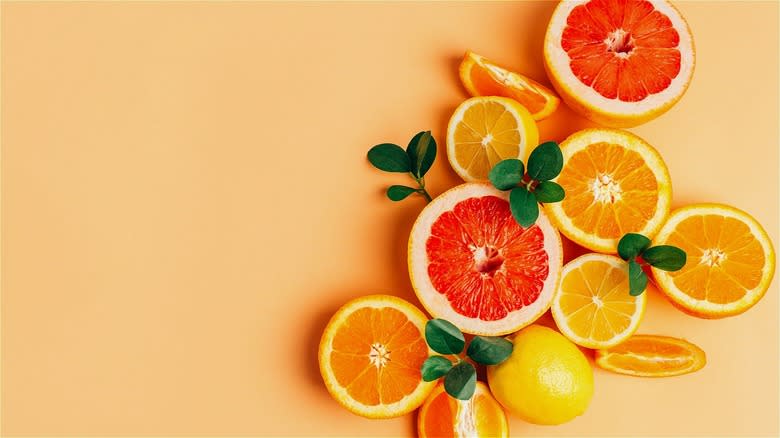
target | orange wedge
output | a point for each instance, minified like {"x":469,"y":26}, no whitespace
{"x":370,"y":356}
{"x":730,"y":260}
{"x":443,"y":416}
{"x":652,"y":356}
{"x":483,"y":77}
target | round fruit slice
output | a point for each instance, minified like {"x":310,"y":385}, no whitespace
{"x":472,"y":264}
{"x":370,"y":356}
{"x":652,"y":356}
{"x":730,"y":260}
{"x":443,"y":416}
{"x":619,"y":63}
{"x":483,"y":77}
{"x":615,"y":183}
{"x":486,"y":130}
{"x":592,"y":307}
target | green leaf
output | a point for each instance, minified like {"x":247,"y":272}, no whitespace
{"x":397,"y":193}
{"x":545,"y":162}
{"x":524,"y":207}
{"x":666,"y":257}
{"x":489,"y":350}
{"x":549,"y":191}
{"x":422,"y":153}
{"x":461,"y":381}
{"x":389,"y":157}
{"x":506,"y":174}
{"x":637,"y":279}
{"x":435,"y":367}
{"x":631,"y":245}
{"x":443,"y":337}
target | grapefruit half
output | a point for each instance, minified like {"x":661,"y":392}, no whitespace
{"x":472,"y":264}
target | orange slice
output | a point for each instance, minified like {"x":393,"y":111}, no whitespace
{"x":592,"y":307}
{"x":730,"y":260}
{"x":443,"y":416}
{"x":483,"y":77}
{"x":370,"y":356}
{"x":486,"y":130}
{"x":615,"y":183}
{"x":652,"y":356}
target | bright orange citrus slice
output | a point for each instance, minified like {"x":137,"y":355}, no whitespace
{"x":483,"y":77}
{"x":370,"y":356}
{"x":615,"y":183}
{"x":486,"y":130}
{"x":442,"y":416}
{"x":592,"y":306}
{"x":652,"y":356}
{"x":730,"y":263}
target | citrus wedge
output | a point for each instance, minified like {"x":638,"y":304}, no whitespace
{"x":486,"y":130}
{"x":443,"y":416}
{"x":652,"y":356}
{"x":370,"y":356}
{"x":730,"y":260}
{"x":615,"y":183}
{"x":482,"y":77}
{"x":592,"y":306}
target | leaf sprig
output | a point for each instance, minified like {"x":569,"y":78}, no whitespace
{"x":530,"y":188}
{"x":636,"y":250}
{"x":460,"y":376}
{"x":416,"y":160}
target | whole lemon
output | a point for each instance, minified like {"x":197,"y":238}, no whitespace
{"x":546,"y":380}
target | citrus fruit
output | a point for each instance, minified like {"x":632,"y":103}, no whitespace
{"x":652,"y":356}
{"x":730,"y":260}
{"x":483,"y":77}
{"x":592,"y":306}
{"x":472,"y":264}
{"x":370,"y":356}
{"x":546,"y":380}
{"x":443,"y":416}
{"x":619,"y":63}
{"x":615,"y":183}
{"x":486,"y":130}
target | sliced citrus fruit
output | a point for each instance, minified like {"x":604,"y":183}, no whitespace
{"x":483,"y":77}
{"x":486,"y":130}
{"x":730,"y":262}
{"x":370,"y":356}
{"x":472,"y":264}
{"x":615,"y":183}
{"x":592,"y":306}
{"x":619,"y":63}
{"x":442,"y":416}
{"x":652,"y":356}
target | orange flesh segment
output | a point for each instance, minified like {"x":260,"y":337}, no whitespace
{"x":443,"y":411}
{"x":653,"y":355}
{"x":491,"y":80}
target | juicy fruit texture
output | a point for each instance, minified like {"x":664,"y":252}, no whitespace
{"x":472,"y":264}
{"x":370,"y":356}
{"x":546,"y":380}
{"x":619,"y":62}
{"x":592,"y":306}
{"x":483,"y":77}
{"x":730,"y":260}
{"x":652,"y":356}
{"x":615,"y":183}
{"x":486,"y":130}
{"x":443,"y":416}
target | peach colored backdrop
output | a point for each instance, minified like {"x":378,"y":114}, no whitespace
{"x":186,"y":201}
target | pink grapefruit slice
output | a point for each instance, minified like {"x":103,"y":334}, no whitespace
{"x":472,"y":264}
{"x":619,"y":62}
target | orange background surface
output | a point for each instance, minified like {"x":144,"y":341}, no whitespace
{"x":186,"y":201}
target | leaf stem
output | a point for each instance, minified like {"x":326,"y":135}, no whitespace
{"x":421,"y":190}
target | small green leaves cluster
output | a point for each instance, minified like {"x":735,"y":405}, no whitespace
{"x":460,"y":376}
{"x":416,"y":160}
{"x":528,"y":189}
{"x":636,"y":250}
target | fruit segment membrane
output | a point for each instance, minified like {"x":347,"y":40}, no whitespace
{"x":483,"y":261}
{"x":623,"y":49}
